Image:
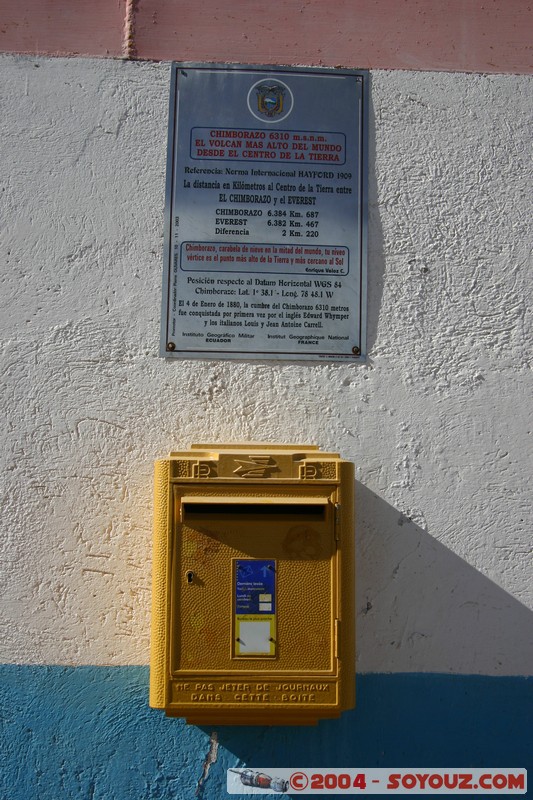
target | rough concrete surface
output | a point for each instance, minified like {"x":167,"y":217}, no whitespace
{"x":88,"y":733}
{"x":438,"y":420}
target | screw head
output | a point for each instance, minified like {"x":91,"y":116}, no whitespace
{"x":356,"y":351}
{"x":171,"y":346}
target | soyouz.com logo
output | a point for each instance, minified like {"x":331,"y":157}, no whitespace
{"x":269,"y":780}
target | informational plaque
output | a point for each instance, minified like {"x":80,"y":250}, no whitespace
{"x":265,"y":245}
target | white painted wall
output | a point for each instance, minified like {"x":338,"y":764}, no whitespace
{"x":439,"y":420}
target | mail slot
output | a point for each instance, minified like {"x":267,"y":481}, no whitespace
{"x":253,"y":585}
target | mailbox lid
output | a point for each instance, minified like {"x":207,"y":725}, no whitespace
{"x":252,"y":462}
{"x":211,"y":534}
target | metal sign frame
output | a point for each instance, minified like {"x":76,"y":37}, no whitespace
{"x":265,"y":251}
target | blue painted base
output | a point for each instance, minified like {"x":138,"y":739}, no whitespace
{"x":87,"y":732}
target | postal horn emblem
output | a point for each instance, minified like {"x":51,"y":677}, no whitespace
{"x":270,"y":98}
{"x":256,"y":467}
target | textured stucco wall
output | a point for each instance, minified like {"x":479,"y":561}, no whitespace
{"x":438,"y":420}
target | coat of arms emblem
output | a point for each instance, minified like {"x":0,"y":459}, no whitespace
{"x":270,"y":97}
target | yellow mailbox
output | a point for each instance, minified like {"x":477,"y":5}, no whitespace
{"x":253,"y":585}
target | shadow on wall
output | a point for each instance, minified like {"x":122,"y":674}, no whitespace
{"x":375,"y":241}
{"x":422,"y":612}
{"x":401,"y":721}
{"x":421,"y":608}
